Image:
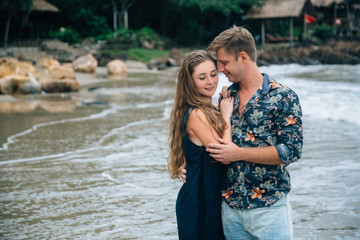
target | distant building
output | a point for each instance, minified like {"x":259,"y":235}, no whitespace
{"x":343,"y":14}
{"x":291,"y":10}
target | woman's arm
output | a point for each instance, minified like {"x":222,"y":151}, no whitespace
{"x":201,"y":132}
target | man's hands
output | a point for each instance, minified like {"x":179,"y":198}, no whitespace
{"x":182,"y":171}
{"x":225,"y":152}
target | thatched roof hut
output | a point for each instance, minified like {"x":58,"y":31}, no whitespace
{"x":280,"y":9}
{"x":43,"y":6}
{"x":325,"y":3}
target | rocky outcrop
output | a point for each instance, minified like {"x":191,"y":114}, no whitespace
{"x":59,"y":79}
{"x":335,"y":52}
{"x":174,"y":59}
{"x":22,"y":77}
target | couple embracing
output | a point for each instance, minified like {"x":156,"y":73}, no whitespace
{"x":233,"y":157}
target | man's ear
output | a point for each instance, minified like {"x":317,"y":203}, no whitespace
{"x":243,"y":56}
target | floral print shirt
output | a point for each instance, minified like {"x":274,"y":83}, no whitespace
{"x":272,"y":117}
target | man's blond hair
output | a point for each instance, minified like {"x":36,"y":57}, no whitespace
{"x":235,"y":40}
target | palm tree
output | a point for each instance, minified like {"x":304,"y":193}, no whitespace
{"x":12,"y":8}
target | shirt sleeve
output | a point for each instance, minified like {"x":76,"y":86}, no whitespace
{"x":289,"y":127}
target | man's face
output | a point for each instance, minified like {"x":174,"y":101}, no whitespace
{"x":228,"y":65}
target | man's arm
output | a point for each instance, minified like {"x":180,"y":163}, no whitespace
{"x":227,"y":151}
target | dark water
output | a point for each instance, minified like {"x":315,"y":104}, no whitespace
{"x":96,"y":167}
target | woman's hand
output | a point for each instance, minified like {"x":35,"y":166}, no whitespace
{"x":225,"y":93}
{"x":226,"y":108}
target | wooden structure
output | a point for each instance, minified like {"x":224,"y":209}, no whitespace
{"x":342,"y":14}
{"x":40,"y":11}
{"x":281,"y":9}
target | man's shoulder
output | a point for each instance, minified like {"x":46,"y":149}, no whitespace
{"x":279,"y":88}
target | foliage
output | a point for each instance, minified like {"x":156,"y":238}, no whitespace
{"x":145,"y":55}
{"x":91,"y":24}
{"x":323,"y":32}
{"x":224,"y":6}
{"x":147,"y":33}
{"x":185,"y":22}
{"x":68,"y":35}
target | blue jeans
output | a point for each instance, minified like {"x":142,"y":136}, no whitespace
{"x":266,"y":223}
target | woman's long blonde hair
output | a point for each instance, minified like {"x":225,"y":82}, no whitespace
{"x":186,"y":96}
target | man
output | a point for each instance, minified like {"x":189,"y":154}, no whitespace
{"x":267,"y":137}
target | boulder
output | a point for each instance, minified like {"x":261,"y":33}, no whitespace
{"x":60,"y":85}
{"x":5,"y":70}
{"x":18,"y":67}
{"x":47,"y":62}
{"x":86,"y":63}
{"x":13,"y":83}
{"x":59,"y":79}
{"x":116,"y":67}
{"x":61,"y":72}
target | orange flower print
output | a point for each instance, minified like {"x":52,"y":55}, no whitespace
{"x":227,"y":194}
{"x":274,"y":84}
{"x":291,"y":120}
{"x":257,"y":193}
{"x":250,"y":137}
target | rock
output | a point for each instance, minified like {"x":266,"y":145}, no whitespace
{"x":60,"y":85}
{"x":29,"y":87}
{"x":86,"y":63}
{"x":59,"y":79}
{"x":146,"y":44}
{"x":116,"y":67}
{"x":5,"y":70}
{"x":18,"y":67}
{"x":171,"y":62}
{"x":47,"y":62}
{"x":13,"y":83}
{"x":61,"y":72}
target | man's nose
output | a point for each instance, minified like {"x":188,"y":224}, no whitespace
{"x":221,"y":67}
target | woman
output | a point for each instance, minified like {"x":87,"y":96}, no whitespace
{"x":194,"y":123}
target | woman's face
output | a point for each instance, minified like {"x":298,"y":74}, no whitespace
{"x":206,"y":78}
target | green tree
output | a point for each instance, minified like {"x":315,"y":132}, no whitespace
{"x":13,"y":7}
{"x":226,"y":7}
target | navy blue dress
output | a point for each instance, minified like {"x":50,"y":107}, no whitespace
{"x":198,"y":206}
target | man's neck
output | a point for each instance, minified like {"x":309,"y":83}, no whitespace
{"x":252,"y":81}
